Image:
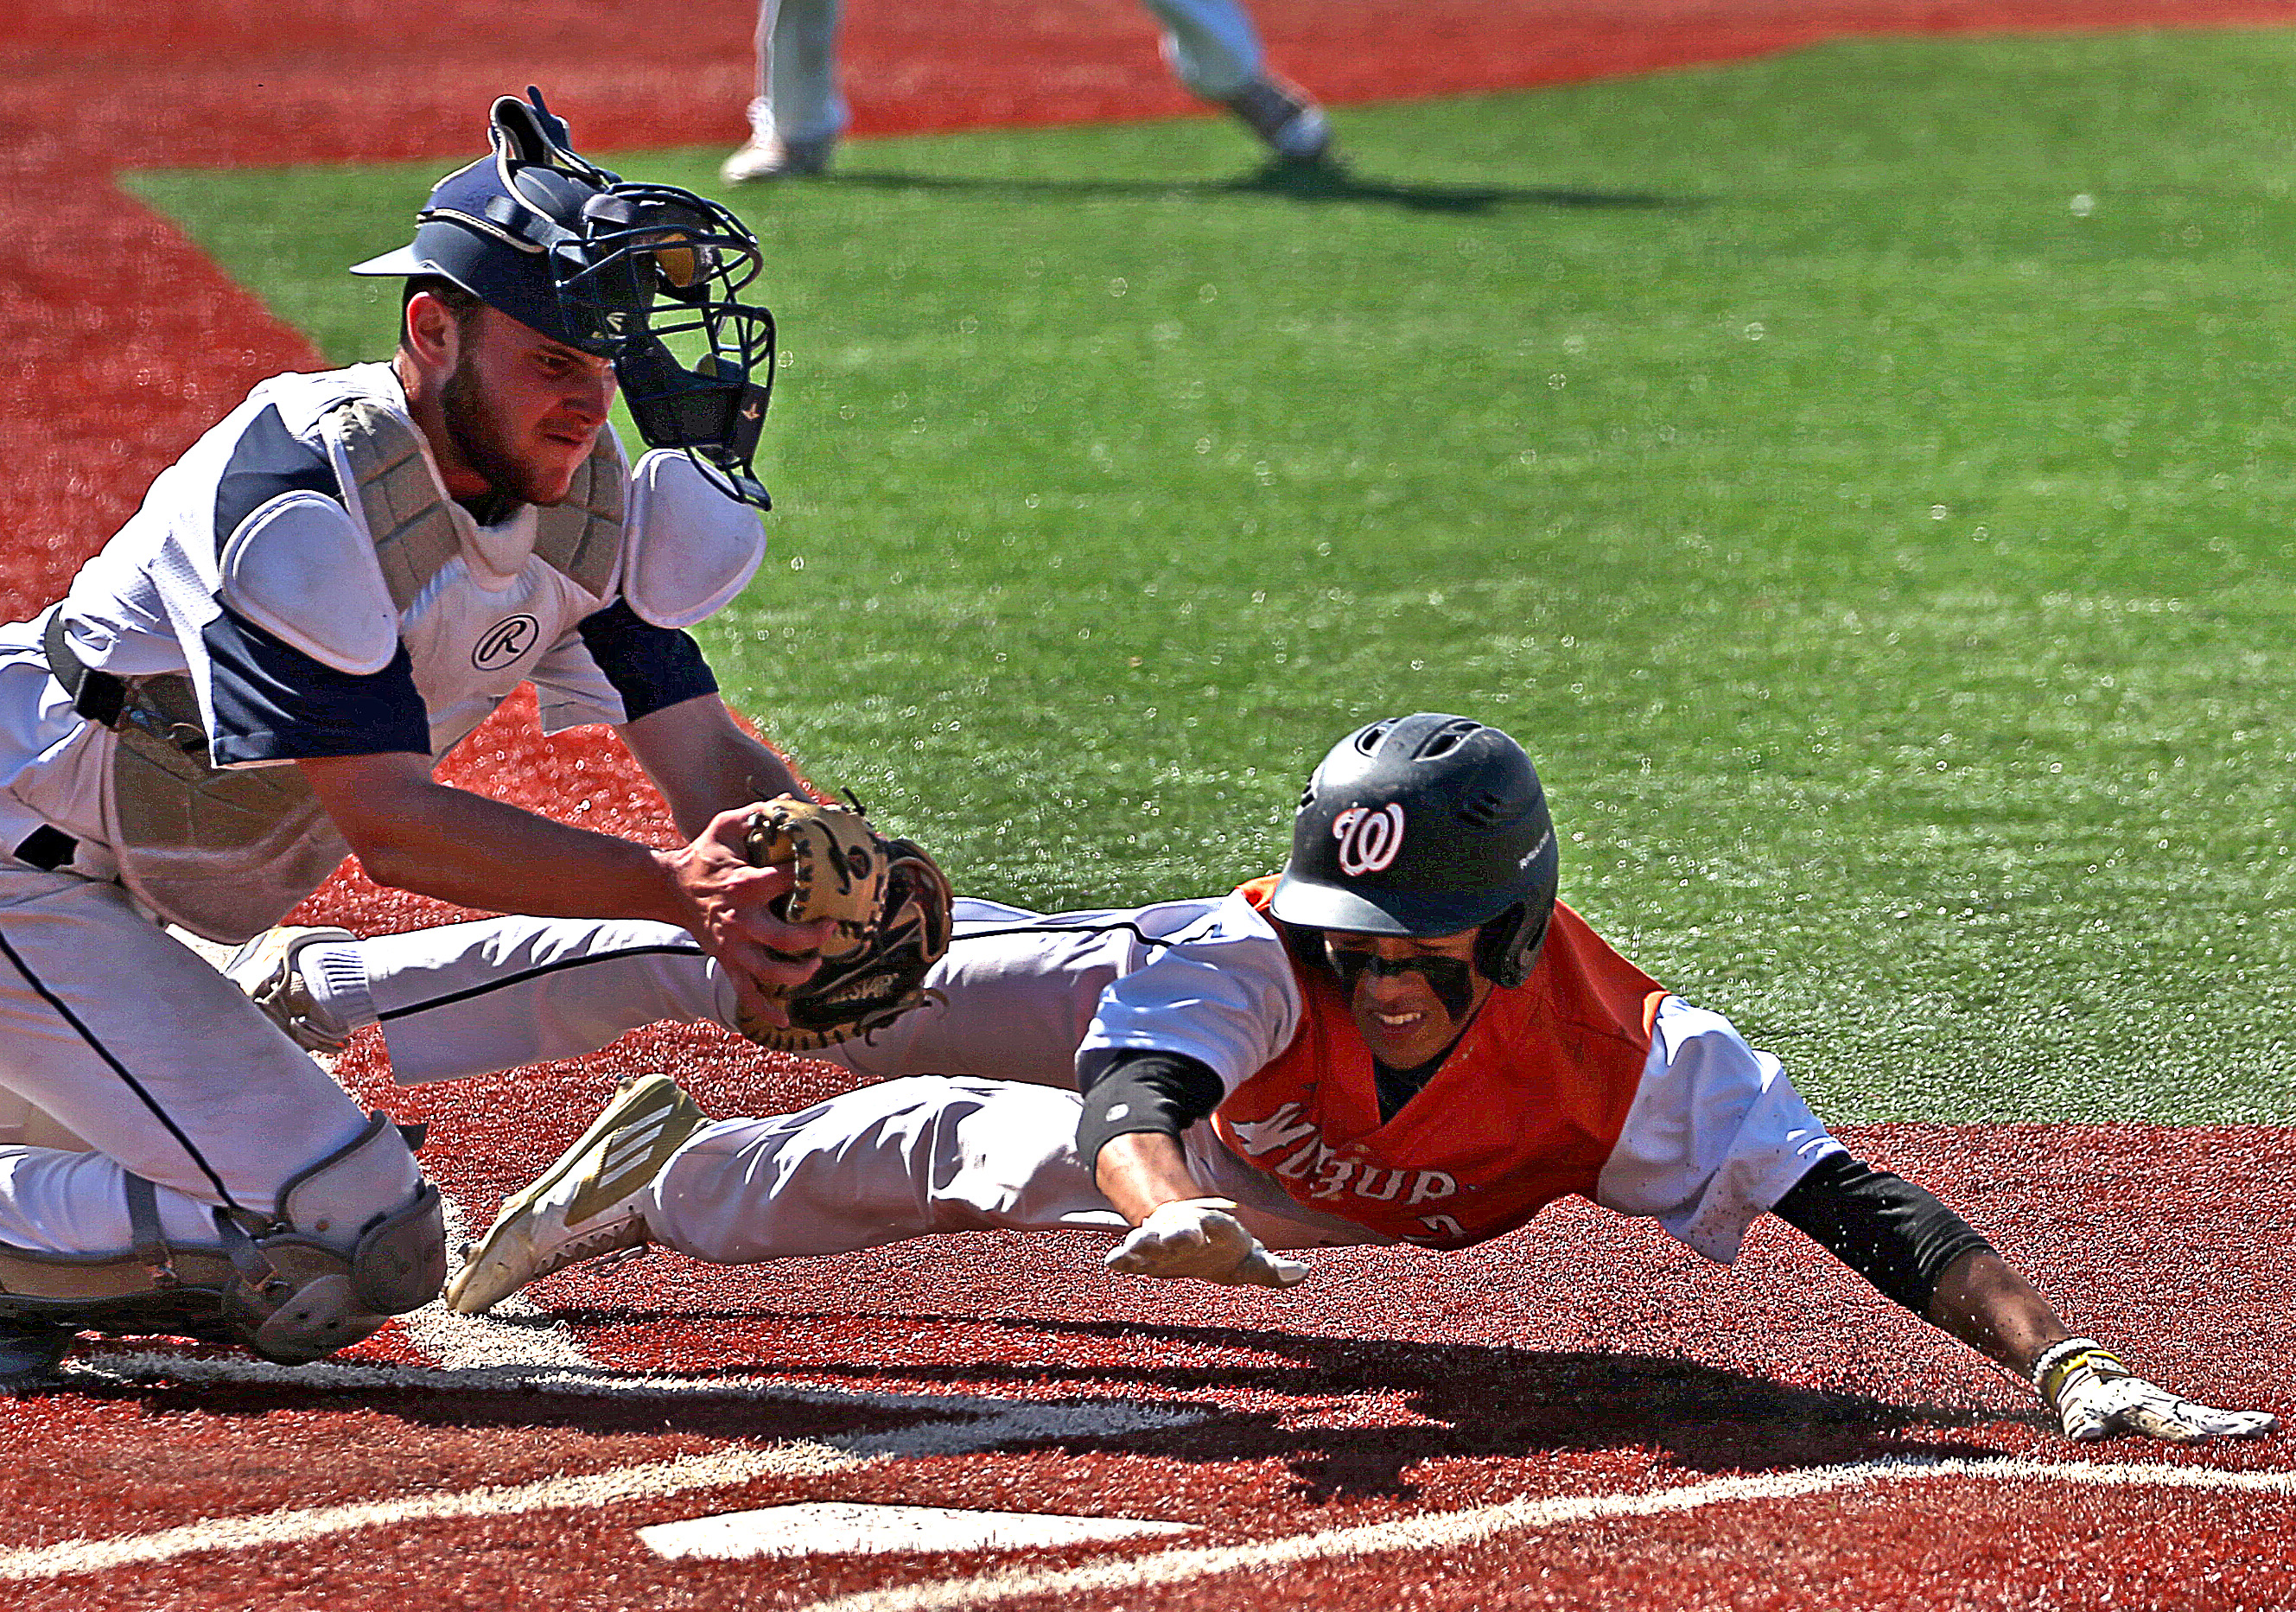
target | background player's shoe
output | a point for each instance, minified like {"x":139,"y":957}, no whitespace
{"x":267,"y":970}
{"x":1281,"y":113}
{"x":770,"y":157}
{"x":584,"y":1204}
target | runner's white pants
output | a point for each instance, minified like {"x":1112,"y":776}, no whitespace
{"x":1209,"y":45}
{"x":973,"y":1128}
{"x":123,"y":1050}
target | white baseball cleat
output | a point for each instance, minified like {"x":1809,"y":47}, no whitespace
{"x":585,"y":1205}
{"x":267,"y":969}
{"x":770,"y":157}
{"x":1284,"y":115}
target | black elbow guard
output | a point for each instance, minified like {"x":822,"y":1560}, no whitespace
{"x":1894,"y":1234}
{"x":1165,"y":1092}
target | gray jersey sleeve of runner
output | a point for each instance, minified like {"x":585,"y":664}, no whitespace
{"x":1715,"y":1136}
{"x":1222,"y":992}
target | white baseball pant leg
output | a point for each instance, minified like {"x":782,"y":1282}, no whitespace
{"x":1210,"y":45}
{"x":916,"y":1158}
{"x":116,"y":1036}
{"x":985,"y":1139}
{"x":797,"y":73}
{"x":467,"y":998}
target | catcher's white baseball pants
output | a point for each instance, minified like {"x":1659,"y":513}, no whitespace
{"x":123,"y":1050}
{"x":1209,"y":45}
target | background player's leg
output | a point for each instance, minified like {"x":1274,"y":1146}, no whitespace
{"x":1214,"y":51}
{"x":798,"y":115}
{"x":1209,"y":45}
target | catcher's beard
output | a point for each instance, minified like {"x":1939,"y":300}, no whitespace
{"x":478,"y":436}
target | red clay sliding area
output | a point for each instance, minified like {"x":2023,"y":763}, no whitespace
{"x":1579,"y":1415}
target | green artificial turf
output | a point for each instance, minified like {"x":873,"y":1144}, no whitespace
{"x":1861,"y":478}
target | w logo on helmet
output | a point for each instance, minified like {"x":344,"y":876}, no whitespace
{"x":1368,"y":840}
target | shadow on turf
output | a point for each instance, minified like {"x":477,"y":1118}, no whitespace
{"x":1469,"y":1401}
{"x":1295,"y":181}
{"x":1476,"y":1400}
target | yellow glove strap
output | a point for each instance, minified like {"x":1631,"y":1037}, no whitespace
{"x":2060,"y":1362}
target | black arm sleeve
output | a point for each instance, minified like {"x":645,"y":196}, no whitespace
{"x":1165,"y":1092}
{"x":1894,"y":1234}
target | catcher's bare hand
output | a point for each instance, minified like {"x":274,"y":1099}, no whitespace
{"x":734,"y":909}
{"x":2095,"y":1395}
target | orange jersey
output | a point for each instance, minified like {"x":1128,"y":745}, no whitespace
{"x":1525,"y":1109}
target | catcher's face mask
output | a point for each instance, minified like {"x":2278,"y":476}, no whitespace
{"x":648,"y":275}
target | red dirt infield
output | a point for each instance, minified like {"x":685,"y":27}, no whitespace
{"x":1580,"y":1415}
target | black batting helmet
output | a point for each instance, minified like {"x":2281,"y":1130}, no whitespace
{"x":1425,"y":825}
{"x":611,"y":267}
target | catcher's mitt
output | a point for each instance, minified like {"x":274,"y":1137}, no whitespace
{"x":891,"y":905}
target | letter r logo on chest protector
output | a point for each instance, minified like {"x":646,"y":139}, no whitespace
{"x":505,"y":642}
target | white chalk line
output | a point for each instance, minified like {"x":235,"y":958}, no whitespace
{"x":961,"y":1424}
{"x":1450,"y":1530}
{"x":493,"y":1354}
{"x":717,"y":1470}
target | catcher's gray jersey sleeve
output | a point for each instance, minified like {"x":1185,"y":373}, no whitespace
{"x":1715,"y":1134}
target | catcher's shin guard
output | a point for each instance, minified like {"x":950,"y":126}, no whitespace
{"x":286,"y":1288}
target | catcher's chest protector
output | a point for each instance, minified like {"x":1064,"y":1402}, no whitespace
{"x":399,"y":497}
{"x":226,"y":853}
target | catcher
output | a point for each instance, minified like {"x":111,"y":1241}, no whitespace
{"x":323,"y":597}
{"x":1404,"y":1038}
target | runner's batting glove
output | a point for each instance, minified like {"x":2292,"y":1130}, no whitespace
{"x":2095,"y":1395}
{"x":1201,"y":1236}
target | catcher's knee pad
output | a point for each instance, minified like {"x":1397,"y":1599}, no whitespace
{"x":290,"y":1289}
{"x":302,"y":1295}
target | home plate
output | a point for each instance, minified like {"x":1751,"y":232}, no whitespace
{"x":828,"y":1526}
